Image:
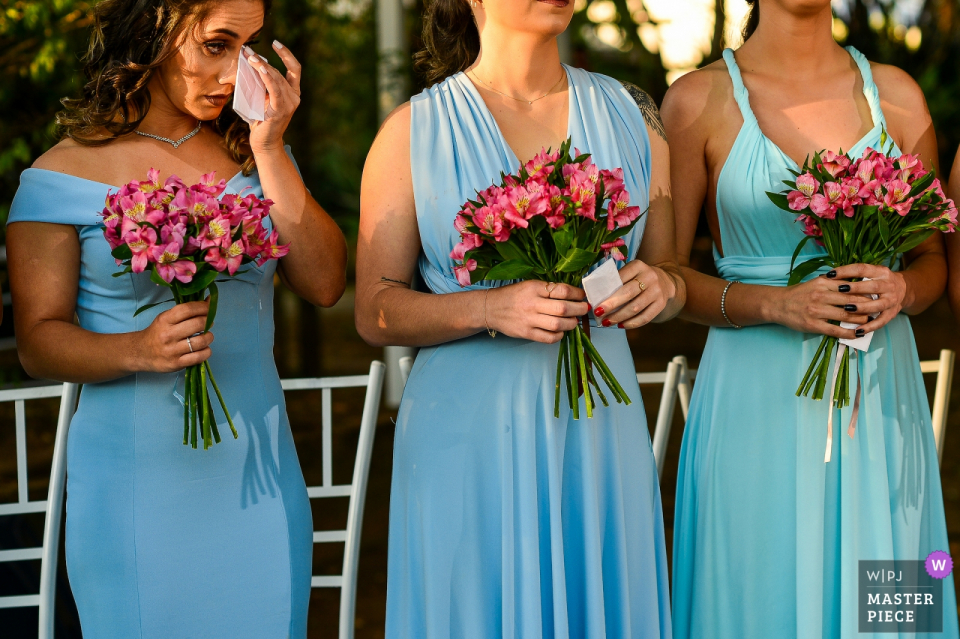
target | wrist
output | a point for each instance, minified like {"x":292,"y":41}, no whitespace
{"x":771,"y":305}
{"x":909,"y":297}
{"x":133,"y":358}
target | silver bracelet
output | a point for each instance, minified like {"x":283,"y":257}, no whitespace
{"x":723,"y":303}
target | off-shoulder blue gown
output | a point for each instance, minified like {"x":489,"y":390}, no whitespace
{"x":164,"y":541}
{"x":767,"y":536}
{"x":504,"y":520}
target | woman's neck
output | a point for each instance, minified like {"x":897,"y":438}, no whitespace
{"x":520,"y":65}
{"x":801,"y":43}
{"x":163,"y":118}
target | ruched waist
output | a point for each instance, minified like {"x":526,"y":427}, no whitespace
{"x":771,"y":271}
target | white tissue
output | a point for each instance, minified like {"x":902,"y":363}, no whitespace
{"x":603,"y":282}
{"x":249,"y":95}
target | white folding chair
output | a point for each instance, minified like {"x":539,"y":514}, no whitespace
{"x":943,"y":367}
{"x":406,"y":365}
{"x":52,"y":506}
{"x":676,"y":381}
{"x":356,"y":490}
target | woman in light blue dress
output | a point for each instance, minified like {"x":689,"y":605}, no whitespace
{"x":163,"y":540}
{"x":767,"y":537}
{"x":506,"y":521}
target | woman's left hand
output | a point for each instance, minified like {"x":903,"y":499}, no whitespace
{"x":890,"y":286}
{"x":283,"y":98}
{"x":645,"y":292}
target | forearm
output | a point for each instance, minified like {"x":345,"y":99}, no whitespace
{"x":315,"y":267}
{"x":61,"y":351}
{"x":925,"y":279}
{"x":745,"y":304}
{"x":394,"y":315}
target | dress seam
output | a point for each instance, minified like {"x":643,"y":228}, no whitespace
{"x":136,"y":392}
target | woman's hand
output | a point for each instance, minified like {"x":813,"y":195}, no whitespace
{"x":165,"y":348}
{"x":808,"y":307}
{"x":645,"y":292}
{"x":283,"y":98}
{"x":535,"y":310}
{"x":890,"y":286}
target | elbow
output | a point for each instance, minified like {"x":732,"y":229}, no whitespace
{"x":369,"y":327}
{"x":32,"y":364}
{"x":329,"y":295}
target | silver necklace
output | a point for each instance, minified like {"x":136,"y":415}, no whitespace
{"x":562,"y":76}
{"x":175,"y":143}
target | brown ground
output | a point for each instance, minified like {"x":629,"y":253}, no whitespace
{"x":341,"y":352}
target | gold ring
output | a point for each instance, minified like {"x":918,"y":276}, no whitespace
{"x":643,"y":286}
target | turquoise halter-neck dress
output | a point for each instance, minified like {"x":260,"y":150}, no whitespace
{"x":162,"y":540}
{"x":767,"y":537}
{"x":506,"y":522}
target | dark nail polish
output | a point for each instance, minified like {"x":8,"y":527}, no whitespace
{"x":859,"y":332}
{"x":620,"y":325}
{"x":605,"y":322}
{"x":852,"y":308}
{"x":599,"y":311}
{"x":832,"y":274}
{"x":844,"y":288}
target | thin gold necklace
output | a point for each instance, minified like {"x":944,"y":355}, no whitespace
{"x":562,"y":76}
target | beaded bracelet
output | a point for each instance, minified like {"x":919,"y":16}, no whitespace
{"x":723,"y":303}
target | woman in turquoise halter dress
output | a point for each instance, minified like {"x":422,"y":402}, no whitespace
{"x":162,"y":540}
{"x":506,"y":521}
{"x":767,"y":537}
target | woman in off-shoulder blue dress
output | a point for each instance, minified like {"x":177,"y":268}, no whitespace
{"x":163,"y":540}
{"x":767,"y":536}
{"x":506,"y":521}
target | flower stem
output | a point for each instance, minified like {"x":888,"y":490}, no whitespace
{"x":608,"y":374}
{"x":204,"y":413}
{"x":556,"y":399}
{"x":223,"y":404}
{"x":574,"y":400}
{"x":186,"y":405}
{"x":804,"y":388}
{"x":587,"y":396}
{"x":192,"y":400}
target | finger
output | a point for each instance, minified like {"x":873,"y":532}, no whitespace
{"x":833,"y":330}
{"x":562,"y":308}
{"x":292,"y":64}
{"x":627,"y":293}
{"x":563,"y":292}
{"x":554,"y":324}
{"x":187,"y":328}
{"x":880,"y":321}
{"x":192,"y":359}
{"x":183,"y":312}
{"x":840,"y":314}
{"x":545,"y":337}
{"x":195,"y":343}
{"x":266,"y":72}
{"x":858,"y":271}
{"x":633,"y":307}
{"x":648,"y":315}
{"x":870,"y":287}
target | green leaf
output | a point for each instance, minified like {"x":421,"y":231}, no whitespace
{"x":510,"y":270}
{"x":805,"y":269}
{"x":922,"y":184}
{"x":799,"y":248}
{"x":563,"y":238}
{"x":576,"y":259}
{"x":155,"y":277}
{"x":199,"y":282}
{"x":914,"y":240}
{"x":212,"y":313}
{"x":147,"y":307}
{"x":792,"y":185}
{"x":122,"y":252}
{"x":511,"y":251}
{"x":780,"y":200}
{"x":884,"y":229}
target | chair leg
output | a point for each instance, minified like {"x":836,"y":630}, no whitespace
{"x":661,"y":432}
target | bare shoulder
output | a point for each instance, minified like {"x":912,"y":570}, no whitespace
{"x":698,"y":96}
{"x":388,"y":162}
{"x":898,"y":89}
{"x":69,"y":157}
{"x":397,"y":123}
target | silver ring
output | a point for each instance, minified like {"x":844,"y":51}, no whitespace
{"x":189,"y":345}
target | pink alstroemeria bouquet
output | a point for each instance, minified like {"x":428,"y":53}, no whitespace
{"x":187,"y":237}
{"x":867,"y":210}
{"x":548,"y":222}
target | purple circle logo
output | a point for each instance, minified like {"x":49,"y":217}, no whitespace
{"x":939,"y":564}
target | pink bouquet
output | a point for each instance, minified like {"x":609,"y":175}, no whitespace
{"x":187,"y":237}
{"x":867,"y":210}
{"x":548,"y":222}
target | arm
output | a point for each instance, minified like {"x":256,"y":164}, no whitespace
{"x":315,"y":267}
{"x":655,"y":265}
{"x":953,"y":242}
{"x":388,"y":312}
{"x":44,"y":267}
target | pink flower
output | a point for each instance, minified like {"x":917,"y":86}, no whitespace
{"x":612,"y":181}
{"x":619,"y":213}
{"x":909,"y":165}
{"x":864,"y":170}
{"x":811,"y":227}
{"x":227,"y":257}
{"x":519,"y":205}
{"x":807,"y":185}
{"x":825,"y":205}
{"x":213,"y":232}
{"x":584,"y":195}
{"x":850,"y":188}
{"x":540,"y":165}
{"x":141,"y":241}
{"x":490,"y":220}
{"x":897,"y":197}
{"x":463,"y":272}
{"x":555,"y":214}
{"x":273,"y":250}
{"x":468,"y":243}
{"x":613,"y":248}
{"x":834,"y":164}
{"x":169,"y":266}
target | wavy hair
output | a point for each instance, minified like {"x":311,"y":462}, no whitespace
{"x":451,"y":41}
{"x":753,"y":19}
{"x":129,"y":41}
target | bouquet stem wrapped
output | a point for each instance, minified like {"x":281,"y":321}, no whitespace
{"x":549,"y":222}
{"x":187,"y":237}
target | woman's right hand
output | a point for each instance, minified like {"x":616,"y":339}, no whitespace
{"x":808,"y":306}
{"x":535,"y":310}
{"x":164,"y":346}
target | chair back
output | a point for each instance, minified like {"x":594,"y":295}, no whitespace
{"x":356,"y":490}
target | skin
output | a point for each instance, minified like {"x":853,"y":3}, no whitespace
{"x":953,"y":243}
{"x":519,"y":57}
{"x":195,"y":84}
{"x":807,"y":94}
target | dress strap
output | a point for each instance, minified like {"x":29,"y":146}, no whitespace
{"x":869,"y":87}
{"x":740,"y":93}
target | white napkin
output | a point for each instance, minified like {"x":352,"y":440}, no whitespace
{"x":859,"y":343}
{"x":603,"y":282}
{"x":249,"y":95}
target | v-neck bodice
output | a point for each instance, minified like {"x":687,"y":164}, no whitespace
{"x":457,"y":149}
{"x":758,"y":238}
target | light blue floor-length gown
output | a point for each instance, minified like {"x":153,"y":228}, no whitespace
{"x":504,"y":520}
{"x":162,"y":540}
{"x":767,"y":537}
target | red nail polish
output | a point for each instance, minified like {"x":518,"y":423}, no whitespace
{"x":620,"y":325}
{"x":599,"y":311}
{"x":605,"y":322}
{"x":589,"y":308}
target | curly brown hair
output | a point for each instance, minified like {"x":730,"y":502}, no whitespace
{"x":130,"y":40}
{"x":451,"y":41}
